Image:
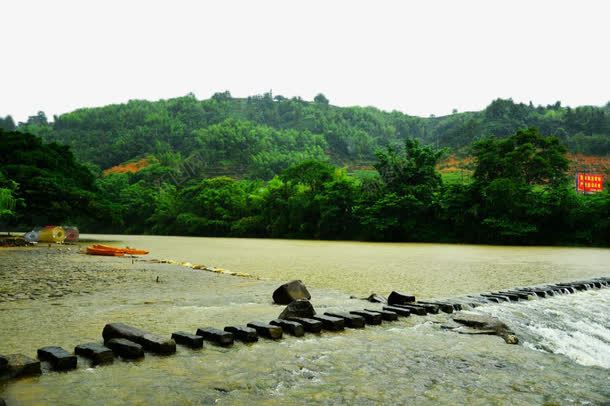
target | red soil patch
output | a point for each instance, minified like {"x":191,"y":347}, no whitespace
{"x":130,"y":167}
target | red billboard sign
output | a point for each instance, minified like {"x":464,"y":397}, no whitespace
{"x":589,"y":182}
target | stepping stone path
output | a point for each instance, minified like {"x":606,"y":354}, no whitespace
{"x":331,"y":323}
{"x":291,"y":327}
{"x":266,"y":330}
{"x":130,"y":342}
{"x":244,"y":334}
{"x":60,"y":359}
{"x":350,"y":320}
{"x":99,"y":354}
{"x":223,"y":338}
{"x":190,"y":340}
{"x":310,"y":325}
{"x":125,"y":348}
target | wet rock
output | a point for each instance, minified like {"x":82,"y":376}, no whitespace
{"x":486,"y":299}
{"x":216,"y":336}
{"x":420,"y":311}
{"x":150,"y":342}
{"x":331,"y":323}
{"x":22,"y":365}
{"x":375,"y":298}
{"x":290,"y":292}
{"x":97,"y":353}
{"x":266,"y":330}
{"x":310,"y":325}
{"x":385,"y":314}
{"x":430,"y":308}
{"x":60,"y":359}
{"x":487,"y":325}
{"x":351,"y":320}
{"x":125,"y":348}
{"x":511,"y":296}
{"x":401,"y":311}
{"x":369,"y":317}
{"x":400,"y":298}
{"x":443,"y":306}
{"x":244,"y":334}
{"x":500,"y":298}
{"x":298,"y":308}
{"x":293,"y":328}
{"x":520,"y":295}
{"x":189,"y":340}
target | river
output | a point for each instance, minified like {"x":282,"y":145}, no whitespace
{"x":54,"y":296}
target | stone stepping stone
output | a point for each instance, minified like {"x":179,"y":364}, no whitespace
{"x":385,"y":314}
{"x":488,"y":299}
{"x":398,"y":310}
{"x":434,"y":309}
{"x":150,"y":342}
{"x":520,"y":295}
{"x":266,"y":330}
{"x":369,"y":317}
{"x":420,"y":311}
{"x":501,"y":298}
{"x":513,"y":297}
{"x":189,"y":340}
{"x":400,"y":298}
{"x":125,"y":348}
{"x":443,"y":306}
{"x":216,"y":336}
{"x":244,"y":334}
{"x":22,"y":365}
{"x":97,"y":353}
{"x":291,"y":327}
{"x":331,"y":323}
{"x":351,"y":320}
{"x":60,"y":359}
{"x":310,"y":325}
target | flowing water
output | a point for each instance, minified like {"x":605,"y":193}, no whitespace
{"x":51,"y":296}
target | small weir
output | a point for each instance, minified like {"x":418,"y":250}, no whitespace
{"x":121,"y":340}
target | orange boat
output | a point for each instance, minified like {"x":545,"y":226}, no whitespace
{"x":108,"y":253}
{"x":129,"y":251}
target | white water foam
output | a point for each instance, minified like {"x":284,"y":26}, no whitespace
{"x":575,"y":325}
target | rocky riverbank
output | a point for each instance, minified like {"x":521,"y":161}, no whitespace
{"x":42,"y":272}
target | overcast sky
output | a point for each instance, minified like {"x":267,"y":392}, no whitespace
{"x":419,"y":57}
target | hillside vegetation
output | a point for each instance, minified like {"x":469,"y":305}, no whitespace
{"x":259,"y":136}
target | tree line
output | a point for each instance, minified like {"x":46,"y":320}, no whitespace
{"x":519,"y":193}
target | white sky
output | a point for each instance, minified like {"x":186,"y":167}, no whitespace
{"x":419,"y":57}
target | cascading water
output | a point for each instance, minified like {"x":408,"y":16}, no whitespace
{"x":577,"y":326}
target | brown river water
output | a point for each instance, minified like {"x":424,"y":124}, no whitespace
{"x":55,"y":296}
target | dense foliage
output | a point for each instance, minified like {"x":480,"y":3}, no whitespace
{"x":518,"y":194}
{"x":45,"y":179}
{"x":259,"y":136}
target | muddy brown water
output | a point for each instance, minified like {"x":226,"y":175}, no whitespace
{"x":51,"y":296}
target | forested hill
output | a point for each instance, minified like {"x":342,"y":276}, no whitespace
{"x":261,"y":135}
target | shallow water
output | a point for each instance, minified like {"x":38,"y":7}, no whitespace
{"x":427,"y":270}
{"x":412,"y":361}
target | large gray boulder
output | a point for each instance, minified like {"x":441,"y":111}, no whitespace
{"x":290,"y":292}
{"x":150,"y":342}
{"x":298,"y":308}
{"x":482,"y":324}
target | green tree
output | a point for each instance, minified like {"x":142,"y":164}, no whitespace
{"x":405,"y":205}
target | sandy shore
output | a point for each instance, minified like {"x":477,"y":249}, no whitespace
{"x":41,"y":272}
